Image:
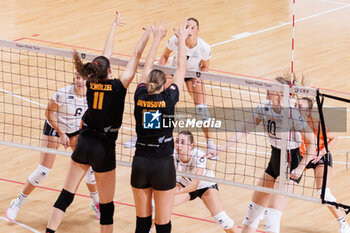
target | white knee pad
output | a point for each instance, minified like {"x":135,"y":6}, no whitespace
{"x":328,"y":195}
{"x":273,"y":220}
{"x":89,"y":177}
{"x":253,"y":216}
{"x":223,"y":220}
{"x":38,"y":175}
{"x":202,"y":112}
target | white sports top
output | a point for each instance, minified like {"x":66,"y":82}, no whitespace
{"x":201,"y":51}
{"x":197,"y":160}
{"x":272,"y":123}
{"x":70,"y":108}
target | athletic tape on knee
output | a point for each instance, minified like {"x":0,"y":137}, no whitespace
{"x":39,"y":175}
{"x":107,"y":212}
{"x":89,"y":177}
{"x":273,"y":220}
{"x":202,"y":112}
{"x":253,"y":215}
{"x":224,"y":220}
{"x":328,"y":195}
{"x":143,"y":224}
{"x":64,"y":200}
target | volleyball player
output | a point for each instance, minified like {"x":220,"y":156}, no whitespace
{"x":63,"y":116}
{"x":269,"y":112}
{"x":153,"y":170}
{"x":100,"y":125}
{"x":198,"y":54}
{"x":305,"y":106}
{"x":191,"y":160}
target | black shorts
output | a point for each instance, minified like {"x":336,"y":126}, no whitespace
{"x":199,"y":192}
{"x":273,"y":168}
{"x":156,"y":172}
{"x":49,"y":131}
{"x":98,"y":153}
{"x":321,"y":162}
{"x":188,"y":79}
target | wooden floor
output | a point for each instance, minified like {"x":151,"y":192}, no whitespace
{"x":249,"y":38}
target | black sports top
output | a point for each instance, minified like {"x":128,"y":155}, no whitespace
{"x":105,"y":105}
{"x":153,"y":115}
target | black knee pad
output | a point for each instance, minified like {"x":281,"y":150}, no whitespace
{"x":166,"y":228}
{"x":107,"y":211}
{"x":64,"y":200}
{"x":143,"y":225}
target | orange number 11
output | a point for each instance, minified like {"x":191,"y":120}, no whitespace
{"x":98,"y":100}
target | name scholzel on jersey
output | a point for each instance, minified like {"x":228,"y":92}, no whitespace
{"x":151,"y":104}
{"x":194,"y":123}
{"x":100,"y":87}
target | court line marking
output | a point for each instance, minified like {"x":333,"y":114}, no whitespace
{"x":248,"y":34}
{"x":20,"y":224}
{"x":334,"y":2}
{"x":116,"y":202}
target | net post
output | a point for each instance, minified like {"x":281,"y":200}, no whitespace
{"x":283,"y":165}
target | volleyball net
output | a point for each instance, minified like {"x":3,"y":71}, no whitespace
{"x":31,"y":74}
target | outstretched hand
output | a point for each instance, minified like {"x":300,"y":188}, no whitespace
{"x":182,"y":32}
{"x":159,"y":32}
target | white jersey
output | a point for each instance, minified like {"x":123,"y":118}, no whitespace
{"x":70,"y":109}
{"x":197,"y":160}
{"x":272,"y":123}
{"x":201,"y":51}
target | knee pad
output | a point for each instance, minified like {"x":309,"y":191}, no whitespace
{"x":328,"y":195}
{"x":273,"y":220}
{"x":202,"y":112}
{"x":64,"y":200}
{"x":165,"y":228}
{"x":38,"y":175}
{"x":223,"y":220}
{"x":107,"y":212}
{"x":143,"y":225}
{"x":254,"y":215}
{"x":89,"y":177}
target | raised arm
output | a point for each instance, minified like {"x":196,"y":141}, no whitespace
{"x":165,"y":56}
{"x":180,"y":72}
{"x":159,"y":33}
{"x":130,"y":70}
{"x":108,"y":49}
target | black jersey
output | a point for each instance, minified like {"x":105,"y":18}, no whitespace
{"x":154,"y":115}
{"x":105,"y":105}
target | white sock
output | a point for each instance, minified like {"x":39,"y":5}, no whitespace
{"x":21,"y":198}
{"x":94,"y":197}
{"x":341,"y":220}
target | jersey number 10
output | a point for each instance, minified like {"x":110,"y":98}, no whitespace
{"x":98,"y":100}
